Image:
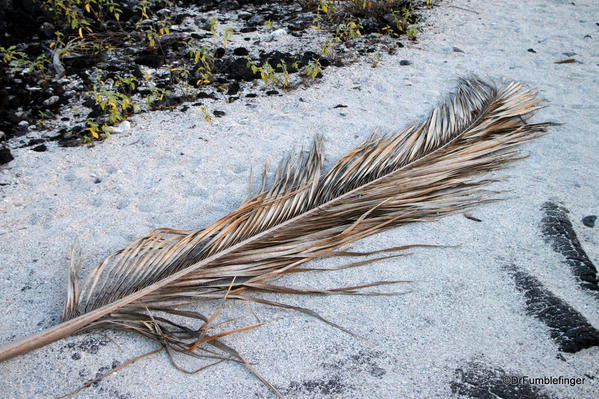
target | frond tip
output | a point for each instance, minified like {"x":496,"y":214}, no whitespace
{"x":425,"y":172}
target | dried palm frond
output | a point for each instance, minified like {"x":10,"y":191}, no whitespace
{"x":420,"y":174}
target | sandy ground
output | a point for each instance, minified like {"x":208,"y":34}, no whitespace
{"x":174,"y":169}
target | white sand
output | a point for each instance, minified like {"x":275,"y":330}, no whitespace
{"x":176,"y":170}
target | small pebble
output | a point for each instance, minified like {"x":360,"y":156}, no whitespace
{"x":405,"y":62}
{"x":122,"y":127}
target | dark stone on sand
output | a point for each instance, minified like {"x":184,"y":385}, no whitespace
{"x":237,"y":69}
{"x":233,"y":88}
{"x":5,"y":156}
{"x":241,"y":51}
{"x":219,"y":53}
{"x":589,"y":221}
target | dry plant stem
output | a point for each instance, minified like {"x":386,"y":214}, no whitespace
{"x":423,"y":173}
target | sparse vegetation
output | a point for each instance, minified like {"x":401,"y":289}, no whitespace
{"x":121,"y":57}
{"x":351,"y":17}
{"x":313,"y":70}
{"x":270,"y":76}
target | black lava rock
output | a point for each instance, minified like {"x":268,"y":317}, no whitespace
{"x":405,"y":62}
{"x":233,"y":88}
{"x":150,"y":60}
{"x":219,"y":53}
{"x":218,"y":113}
{"x":205,"y":95}
{"x":241,"y":52}
{"x":229,"y":5}
{"x":5,"y":156}
{"x":589,"y":221}
{"x":238,"y":69}
{"x":40,"y":148}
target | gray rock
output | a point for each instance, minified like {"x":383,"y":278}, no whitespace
{"x":256,"y":20}
{"x":51,"y":101}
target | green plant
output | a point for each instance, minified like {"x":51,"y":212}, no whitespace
{"x":117,"y":104}
{"x":376,"y":58}
{"x":348,"y":30}
{"x":345,"y":16}
{"x":95,"y":130}
{"x":129,"y":83}
{"x":206,"y":114}
{"x":403,"y":20}
{"x":152,"y":29}
{"x":113,"y":97}
{"x":269,"y":75}
{"x":179,"y":74}
{"x":205,"y":64}
{"x":313,"y":69}
{"x":157,"y":94}
{"x":283,"y":78}
{"x":328,"y":46}
{"x":213,"y":24}
{"x":411,"y":31}
{"x":227,"y":36}
{"x":267,"y":72}
{"x":19,"y":61}
{"x":82,"y":16}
